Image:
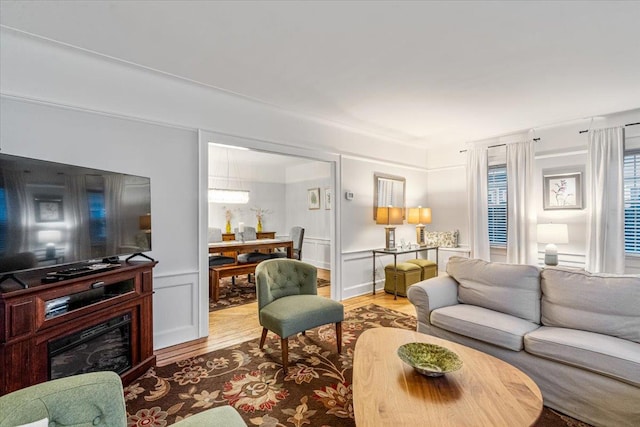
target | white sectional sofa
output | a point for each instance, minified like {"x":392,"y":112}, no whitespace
{"x":577,"y":335}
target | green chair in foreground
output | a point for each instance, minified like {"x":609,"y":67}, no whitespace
{"x":288,"y":302}
{"x":95,"y":399}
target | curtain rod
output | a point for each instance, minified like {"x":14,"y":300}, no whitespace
{"x":628,"y":124}
{"x":502,"y":145}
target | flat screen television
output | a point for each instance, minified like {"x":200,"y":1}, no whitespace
{"x":58,"y":214}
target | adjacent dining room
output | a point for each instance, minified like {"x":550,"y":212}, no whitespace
{"x":263,"y":206}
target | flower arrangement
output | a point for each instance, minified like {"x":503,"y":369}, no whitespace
{"x":228,"y":215}
{"x":260,"y":213}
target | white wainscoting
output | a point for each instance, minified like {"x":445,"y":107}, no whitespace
{"x":317,"y":251}
{"x":174,"y":319}
{"x":357,"y":271}
{"x":445,"y":253}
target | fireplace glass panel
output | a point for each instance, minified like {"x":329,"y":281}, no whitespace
{"x":104,"y":347}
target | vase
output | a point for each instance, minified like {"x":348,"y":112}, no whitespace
{"x":259,"y":226}
{"x":228,"y":229}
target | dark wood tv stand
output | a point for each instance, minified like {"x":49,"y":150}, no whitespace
{"x":33,"y":319}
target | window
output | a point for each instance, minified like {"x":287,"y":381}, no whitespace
{"x":97,"y":218}
{"x":497,"y":201}
{"x":632,"y":202}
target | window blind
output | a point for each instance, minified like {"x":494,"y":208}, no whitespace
{"x":632,"y":202}
{"x":497,"y":204}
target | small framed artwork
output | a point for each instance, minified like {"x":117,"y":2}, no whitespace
{"x":327,"y":198}
{"x":562,"y":191}
{"x":313,"y":198}
{"x":49,"y":209}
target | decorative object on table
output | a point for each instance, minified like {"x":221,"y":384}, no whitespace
{"x":430,"y":360}
{"x":562,"y":190}
{"x":313,"y":198}
{"x":241,"y":231}
{"x":48,"y":209}
{"x":389,"y":216}
{"x":228,"y":215}
{"x":260,"y":213}
{"x":419,"y":216}
{"x":327,"y":198}
{"x":552,"y":234}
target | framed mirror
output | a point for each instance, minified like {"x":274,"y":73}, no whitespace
{"x":388,"y":190}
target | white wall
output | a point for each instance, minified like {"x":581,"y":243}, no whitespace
{"x":101,"y":142}
{"x":359,"y":232}
{"x":560,"y":147}
{"x":43,"y":71}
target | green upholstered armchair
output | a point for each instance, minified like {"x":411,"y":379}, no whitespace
{"x":94,"y":399}
{"x":288,"y":302}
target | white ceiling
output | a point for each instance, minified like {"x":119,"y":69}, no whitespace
{"x":419,"y":72}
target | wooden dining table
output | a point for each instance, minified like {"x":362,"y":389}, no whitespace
{"x":236,"y":269}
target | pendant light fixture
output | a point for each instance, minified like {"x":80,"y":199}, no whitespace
{"x":224,"y":193}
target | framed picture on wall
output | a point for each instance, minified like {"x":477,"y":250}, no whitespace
{"x":48,"y":209}
{"x":327,"y":198}
{"x":562,"y":190}
{"x":313,"y":198}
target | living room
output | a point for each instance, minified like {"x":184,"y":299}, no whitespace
{"x":68,"y":98}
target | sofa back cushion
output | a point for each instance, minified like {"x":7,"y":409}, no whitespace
{"x":605,"y":304}
{"x":508,"y":288}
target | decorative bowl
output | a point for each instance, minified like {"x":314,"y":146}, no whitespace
{"x":429,"y":359}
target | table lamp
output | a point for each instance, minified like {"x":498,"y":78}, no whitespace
{"x":49,"y":238}
{"x":419,"y":216}
{"x":388,"y":216}
{"x":552,"y":234}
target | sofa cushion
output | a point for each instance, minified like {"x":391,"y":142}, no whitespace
{"x":509,"y":288}
{"x":483,"y":324}
{"x":605,"y":304}
{"x":599,"y":353}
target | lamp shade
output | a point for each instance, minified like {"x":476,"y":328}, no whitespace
{"x":145,"y":222}
{"x":49,"y":236}
{"x":553,"y":233}
{"x":389,"y":215}
{"x":419,"y":215}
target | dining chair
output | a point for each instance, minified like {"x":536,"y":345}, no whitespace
{"x":251,"y":257}
{"x":288,"y":302}
{"x":297,"y":236}
{"x":215,"y":236}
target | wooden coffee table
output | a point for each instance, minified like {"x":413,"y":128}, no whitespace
{"x":485,"y":392}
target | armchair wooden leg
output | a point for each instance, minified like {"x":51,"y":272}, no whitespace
{"x":339,"y":336}
{"x":263,"y":337}
{"x":284,"y":342}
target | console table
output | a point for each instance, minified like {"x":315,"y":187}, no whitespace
{"x":45,"y":325}
{"x":395,"y":253}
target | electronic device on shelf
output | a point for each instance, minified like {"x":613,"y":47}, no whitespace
{"x":84,"y":270}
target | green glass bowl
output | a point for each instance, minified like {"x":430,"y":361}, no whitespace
{"x":429,"y":359}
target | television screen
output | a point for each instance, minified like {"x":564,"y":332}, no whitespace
{"x":54,"y":213}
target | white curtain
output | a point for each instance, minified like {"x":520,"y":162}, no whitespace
{"x":113,"y":193}
{"x":77,"y":215}
{"x":477,"y":160}
{"x":522,"y":246}
{"x":605,"y":192}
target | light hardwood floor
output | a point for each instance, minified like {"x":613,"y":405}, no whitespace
{"x":238,"y":324}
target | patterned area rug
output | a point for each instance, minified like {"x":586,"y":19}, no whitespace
{"x":315,"y":392}
{"x":243,"y":292}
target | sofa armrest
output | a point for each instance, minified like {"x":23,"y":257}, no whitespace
{"x":222,"y":416}
{"x":86,"y":399}
{"x":441,"y":291}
